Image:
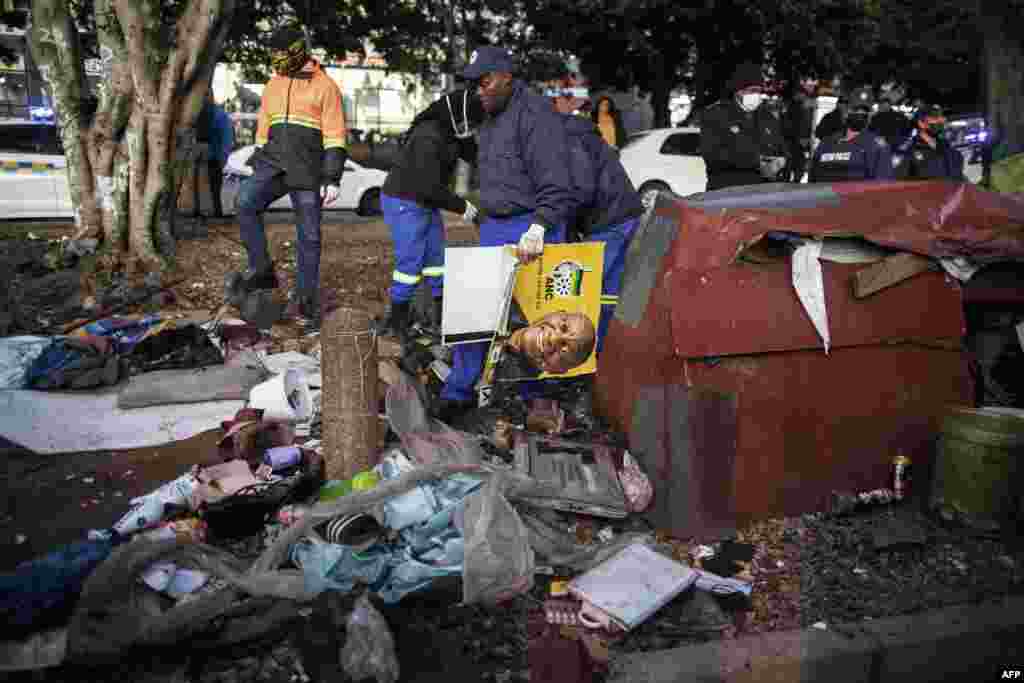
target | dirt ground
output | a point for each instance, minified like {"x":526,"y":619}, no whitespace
{"x":355,"y":270}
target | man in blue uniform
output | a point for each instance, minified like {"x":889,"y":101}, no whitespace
{"x":857,"y":154}
{"x":525,"y":187}
{"x":927,"y":155}
{"x":609,"y":208}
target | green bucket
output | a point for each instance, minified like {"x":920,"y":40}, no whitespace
{"x":978,"y":472}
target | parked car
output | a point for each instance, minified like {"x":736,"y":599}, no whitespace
{"x":360,"y":186}
{"x":663,"y":159}
{"x":33,"y":179}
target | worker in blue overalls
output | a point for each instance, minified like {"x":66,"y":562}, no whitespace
{"x":525,"y":188}
{"x":609,"y":212}
{"x":416,"y":189}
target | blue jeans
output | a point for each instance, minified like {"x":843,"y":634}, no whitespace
{"x":266,"y":185}
{"x":418,"y":235}
{"x":616,"y":241}
{"x":468,"y":359}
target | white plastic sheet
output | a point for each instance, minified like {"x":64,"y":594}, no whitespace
{"x":91,"y":421}
{"x":810,"y":287}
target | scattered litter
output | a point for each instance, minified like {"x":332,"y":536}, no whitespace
{"x":20,"y":539}
{"x":88,"y":480}
{"x":820,"y":625}
{"x":69,"y":477}
{"x":859,"y":571}
{"x":606,"y":534}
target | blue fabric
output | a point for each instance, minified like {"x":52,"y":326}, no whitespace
{"x":265,"y":185}
{"x":418,"y":235}
{"x":468,"y":359}
{"x":43,"y":590}
{"x":222,"y":135}
{"x":124,"y":332}
{"x":429,"y":546}
{"x":616,"y":241}
{"x":866,"y":157}
{"x":602,"y":189}
{"x":522,"y":161}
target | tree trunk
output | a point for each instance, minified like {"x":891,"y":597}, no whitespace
{"x":1004,"y":63}
{"x":125,"y":158}
{"x":53,"y":39}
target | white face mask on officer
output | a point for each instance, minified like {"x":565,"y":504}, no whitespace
{"x":749,"y":101}
{"x":465,"y":131}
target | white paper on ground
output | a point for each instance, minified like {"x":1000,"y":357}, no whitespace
{"x":91,"y":421}
{"x":810,"y":287}
{"x":476,"y":285}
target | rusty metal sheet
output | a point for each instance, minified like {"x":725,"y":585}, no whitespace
{"x":809,"y":424}
{"x":743,"y":309}
{"x":932,"y":218}
{"x":674,"y":429}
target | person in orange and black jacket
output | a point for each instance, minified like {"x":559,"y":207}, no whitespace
{"x":301,"y":151}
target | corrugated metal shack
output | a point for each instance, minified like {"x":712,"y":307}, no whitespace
{"x":715,"y":371}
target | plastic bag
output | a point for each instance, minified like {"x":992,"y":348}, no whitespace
{"x":369,"y":650}
{"x":635,"y":484}
{"x":499,"y":561}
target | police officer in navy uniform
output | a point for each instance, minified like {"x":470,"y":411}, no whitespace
{"x":526,"y":189}
{"x":856,"y":154}
{"x":740,"y":140}
{"x":927,"y":154}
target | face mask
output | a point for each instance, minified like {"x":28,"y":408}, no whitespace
{"x":290,"y":61}
{"x":936,"y":129}
{"x":857,"y":121}
{"x":465,"y":131}
{"x":751,"y":100}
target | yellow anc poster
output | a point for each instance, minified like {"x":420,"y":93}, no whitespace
{"x":565,"y":279}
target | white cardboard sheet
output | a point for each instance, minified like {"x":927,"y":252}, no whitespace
{"x":476,"y":288}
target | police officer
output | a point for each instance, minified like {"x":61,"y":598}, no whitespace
{"x":525,"y":187}
{"x":416,"y":189}
{"x":740,"y":140}
{"x":834,"y":122}
{"x":890,"y":124}
{"x":856,"y":154}
{"x":927,"y":154}
{"x":609,"y":208}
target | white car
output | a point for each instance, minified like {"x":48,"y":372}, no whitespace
{"x":360,"y":186}
{"x":33,"y":175}
{"x":665,"y":159}
{"x":34,"y":181}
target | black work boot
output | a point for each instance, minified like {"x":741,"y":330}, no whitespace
{"x":396,"y":324}
{"x":304,"y":310}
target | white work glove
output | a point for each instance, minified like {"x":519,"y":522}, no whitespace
{"x":329,"y":194}
{"x":531,"y":244}
{"x":771,"y":166}
{"x":471,"y":212}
